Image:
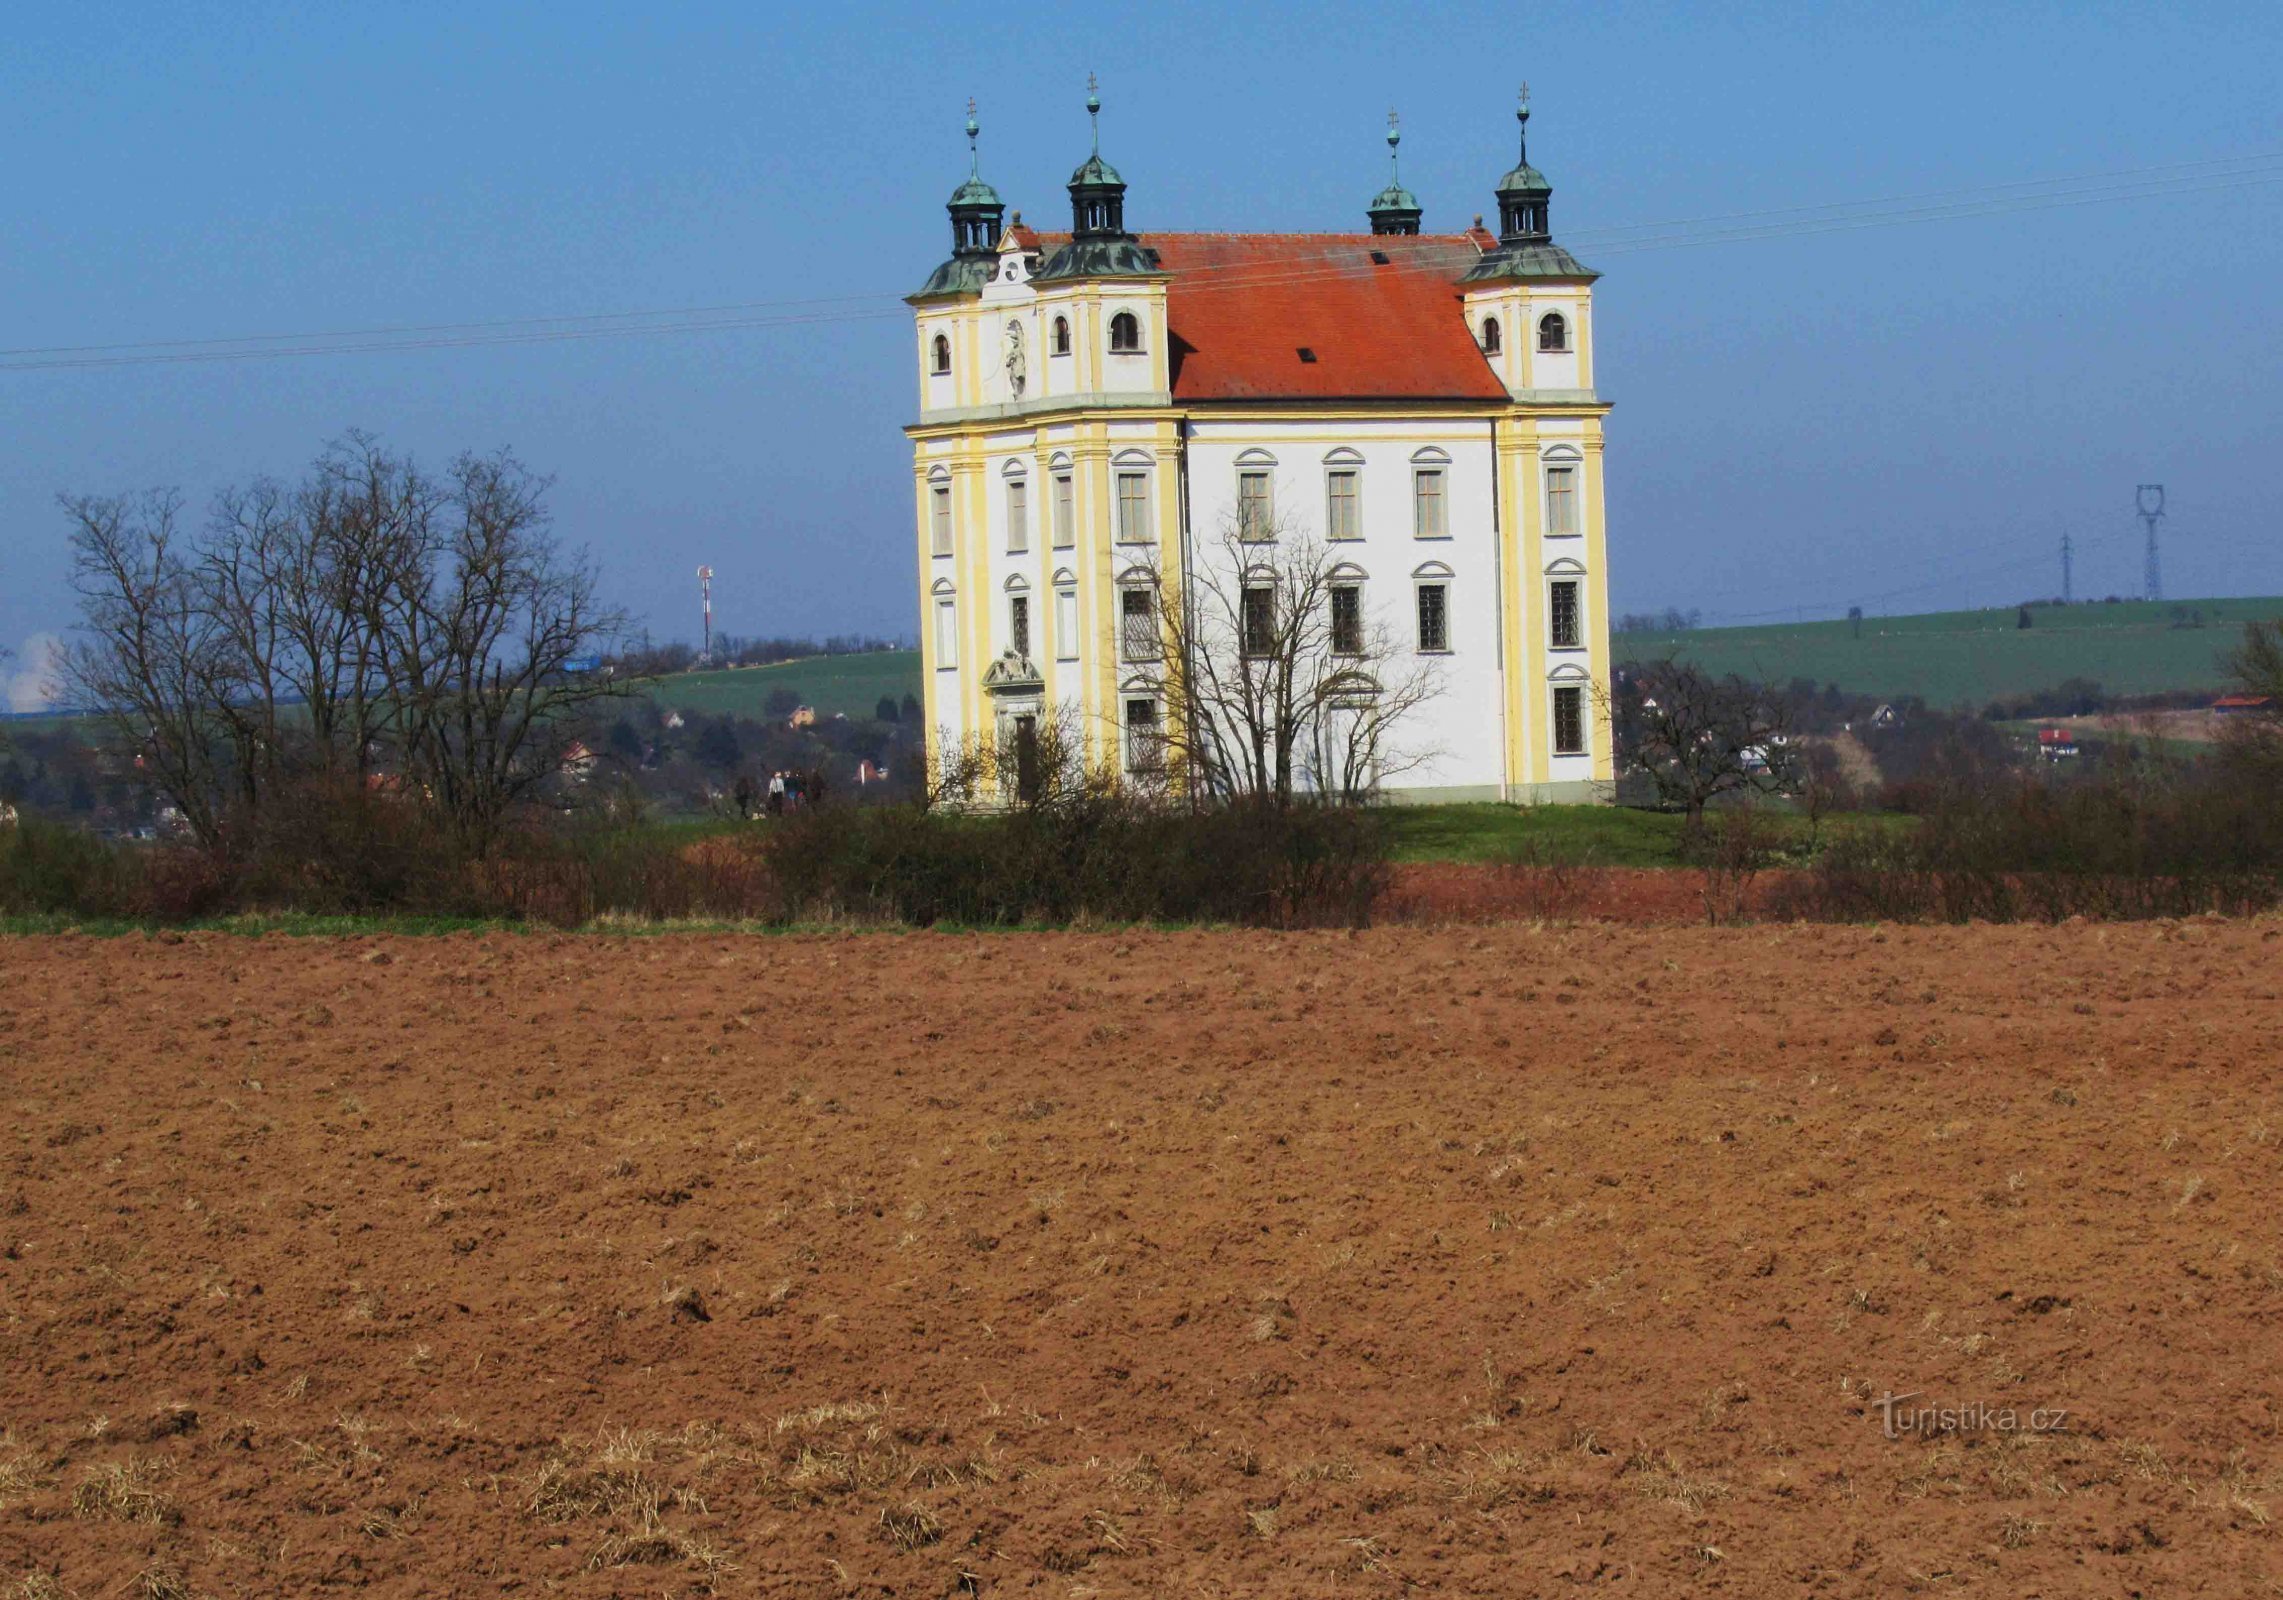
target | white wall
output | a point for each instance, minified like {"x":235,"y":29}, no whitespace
{"x":1462,"y":724}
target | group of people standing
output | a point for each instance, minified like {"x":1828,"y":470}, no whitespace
{"x":788,"y":791}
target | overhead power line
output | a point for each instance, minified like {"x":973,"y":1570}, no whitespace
{"x":2173,"y":179}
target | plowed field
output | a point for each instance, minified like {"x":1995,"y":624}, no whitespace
{"x":1478,"y":1261}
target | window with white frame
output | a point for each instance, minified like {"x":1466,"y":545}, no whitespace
{"x":1018,"y":515}
{"x":1434,"y":617}
{"x":1430,"y":502}
{"x":1343,"y":502}
{"x":939,"y":516}
{"x":1257,"y":614}
{"x":1569,"y":719}
{"x":1137,"y":623}
{"x":1553,"y":332}
{"x":1256,"y":510}
{"x":1066,"y":624}
{"x":1561,"y":498}
{"x":946,"y":633}
{"x":1490,"y":336}
{"x":1145,"y":739}
{"x":1061,"y":346}
{"x":1347,"y":619}
{"x":1125,"y":334}
{"x":1065,"y":511}
{"x":1019,"y":624}
{"x":1565,"y":629}
{"x":940,"y":354}
{"x":1133,"y":505}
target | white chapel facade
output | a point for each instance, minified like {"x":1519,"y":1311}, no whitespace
{"x":1094,"y":404}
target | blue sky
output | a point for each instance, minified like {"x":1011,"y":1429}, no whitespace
{"x":1906,"y":417}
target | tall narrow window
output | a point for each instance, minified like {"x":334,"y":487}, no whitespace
{"x":1490,"y":336}
{"x":1019,"y":624}
{"x":1347,"y":619}
{"x":1137,"y":624}
{"x":1061,"y":336}
{"x":1561,"y":500}
{"x":1563,"y":630}
{"x":1343,"y":503}
{"x":1133,"y":508}
{"x":939,"y":519}
{"x":1259,"y":618}
{"x":1256,"y":517}
{"x":1018,"y":515}
{"x":946,"y":634}
{"x":1125,"y":334}
{"x":1569,"y":720}
{"x":1553,"y":331}
{"x":942,"y":361}
{"x":1430,"y":515}
{"x":1434,"y":617}
{"x":1145,"y":749}
{"x":1066,"y":624}
{"x":1065,"y":512}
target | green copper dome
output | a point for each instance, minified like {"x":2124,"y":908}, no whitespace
{"x":1393,"y":198}
{"x":1525,"y":179}
{"x":975,"y":192}
{"x":1096,"y":171}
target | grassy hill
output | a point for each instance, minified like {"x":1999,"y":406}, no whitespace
{"x":1971,"y":657}
{"x":851,"y":685}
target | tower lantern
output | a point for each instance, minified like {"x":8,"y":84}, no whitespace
{"x":1394,"y":209}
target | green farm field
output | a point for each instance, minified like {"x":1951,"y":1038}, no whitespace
{"x":851,"y":685}
{"x":1969,"y":658}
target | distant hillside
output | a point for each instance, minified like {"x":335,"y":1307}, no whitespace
{"x":1953,"y":658}
{"x":851,"y":685}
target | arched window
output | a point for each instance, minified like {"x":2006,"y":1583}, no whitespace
{"x":1490,"y":336}
{"x":1553,"y":331}
{"x":1062,"y":336}
{"x":1125,"y":334}
{"x":942,"y":353}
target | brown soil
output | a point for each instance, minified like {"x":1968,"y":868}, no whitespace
{"x":1477,"y":1261}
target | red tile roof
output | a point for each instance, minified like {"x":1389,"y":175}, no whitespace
{"x":1243,"y":306}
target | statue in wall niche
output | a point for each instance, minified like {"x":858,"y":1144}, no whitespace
{"x":1015,"y":363}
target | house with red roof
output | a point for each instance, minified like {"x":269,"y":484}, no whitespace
{"x":1113,"y":419}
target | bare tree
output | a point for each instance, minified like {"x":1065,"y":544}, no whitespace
{"x":153,"y":654}
{"x":1278,"y":679}
{"x":1697,"y":738}
{"x":368,"y":614}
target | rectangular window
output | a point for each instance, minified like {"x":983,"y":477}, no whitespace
{"x":1569,"y":721}
{"x":1562,"y":628}
{"x":1065,"y":512}
{"x":946,"y":634}
{"x":1145,"y":749}
{"x":1018,"y":515}
{"x":1066,"y":624}
{"x":1347,"y":620}
{"x":939,"y":518}
{"x":1561,"y":500}
{"x":1019,"y":624}
{"x":1256,"y":517}
{"x":1137,"y":624}
{"x":1259,"y":620}
{"x":1434,"y":616}
{"x":1133,"y":508}
{"x":1343,"y":494}
{"x":1430,"y":516}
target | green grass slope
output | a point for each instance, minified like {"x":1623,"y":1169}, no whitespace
{"x":851,"y":685}
{"x":1971,"y":657}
